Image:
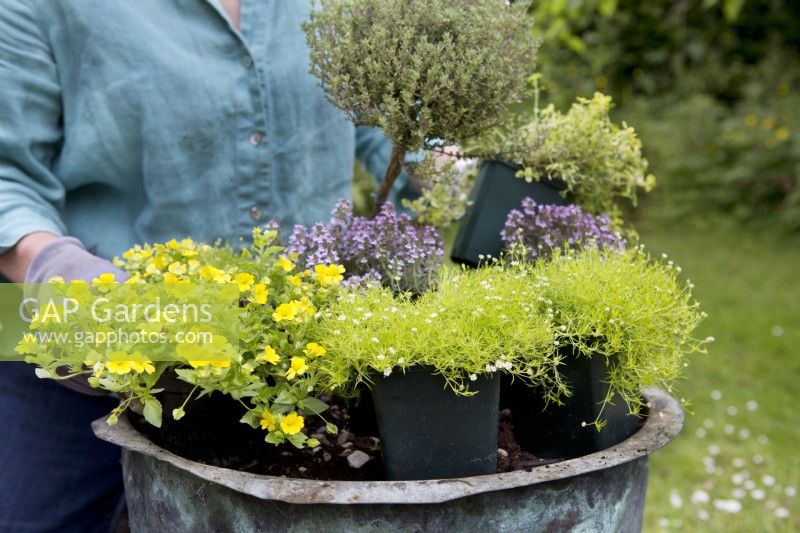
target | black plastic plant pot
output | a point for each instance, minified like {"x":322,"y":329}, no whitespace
{"x":497,"y":191}
{"x":566,"y":431}
{"x":429,"y":432}
{"x":210,"y":430}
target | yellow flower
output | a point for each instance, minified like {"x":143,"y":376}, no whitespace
{"x":210,"y":273}
{"x":215,"y":364}
{"x":782,"y":133}
{"x":287,"y":311}
{"x":56,"y":279}
{"x":193,"y":264}
{"x":768,"y":123}
{"x":270,"y":356}
{"x":119,"y":367}
{"x":177,"y":268}
{"x":169,"y":277}
{"x":245,"y":281}
{"x":137,"y":253}
{"x":329,"y":274}
{"x":267,"y":421}
{"x":104,"y":279}
{"x":751,"y":120}
{"x":285,"y":263}
{"x":260,"y":293}
{"x":292,"y":423}
{"x":172,"y":244}
{"x":143,"y":366}
{"x":297,"y":368}
{"x":187,"y":248}
{"x":295,"y":280}
{"x":304,"y":306}
{"x":313,"y":349}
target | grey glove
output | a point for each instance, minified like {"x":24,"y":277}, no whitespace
{"x":66,"y":257}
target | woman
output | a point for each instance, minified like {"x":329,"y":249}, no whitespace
{"x":123,"y":122}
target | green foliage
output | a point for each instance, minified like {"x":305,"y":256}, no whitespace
{"x":423,"y":71}
{"x":269,"y":366}
{"x":742,"y":160}
{"x":444,"y":191}
{"x":661,"y":46}
{"x":599,"y":160}
{"x":625,"y":307}
{"x":521,"y":318}
{"x":688,"y":74}
{"x":478,"y":321}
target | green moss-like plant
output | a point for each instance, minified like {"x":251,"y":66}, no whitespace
{"x":623,"y":306}
{"x":425,"y":71}
{"x":479,"y":321}
{"x":599,"y":160}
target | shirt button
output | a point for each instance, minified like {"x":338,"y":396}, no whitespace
{"x":255,"y":138}
{"x":255,"y":213}
{"x":247,"y":62}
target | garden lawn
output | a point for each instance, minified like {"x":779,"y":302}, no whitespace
{"x":736,"y":467}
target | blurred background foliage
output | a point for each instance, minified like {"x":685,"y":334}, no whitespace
{"x":710,"y":85}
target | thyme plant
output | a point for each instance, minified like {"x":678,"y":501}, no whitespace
{"x":428,"y":72}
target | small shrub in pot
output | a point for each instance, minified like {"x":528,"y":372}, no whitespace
{"x":433,"y":364}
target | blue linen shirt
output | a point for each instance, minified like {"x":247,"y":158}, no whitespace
{"x":125,"y":121}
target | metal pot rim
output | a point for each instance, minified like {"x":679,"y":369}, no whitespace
{"x":663,"y":424}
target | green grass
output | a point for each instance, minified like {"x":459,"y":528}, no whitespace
{"x":749,"y":283}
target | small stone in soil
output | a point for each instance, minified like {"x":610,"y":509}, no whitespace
{"x":326,"y":456}
{"x":357,"y":459}
{"x":501,"y":452}
{"x":343,"y":437}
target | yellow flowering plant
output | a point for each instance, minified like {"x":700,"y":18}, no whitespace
{"x":271,"y":367}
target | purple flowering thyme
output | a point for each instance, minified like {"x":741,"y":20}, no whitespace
{"x":542,"y":228}
{"x":389,"y":248}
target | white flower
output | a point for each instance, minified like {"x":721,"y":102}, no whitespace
{"x":380,"y":357}
{"x":762,"y":439}
{"x":401,"y":360}
{"x":387,"y":371}
{"x":375,"y":339}
{"x":768,"y":480}
{"x":700,"y":433}
{"x":713,"y":449}
{"x":473,"y":377}
{"x":700,"y":496}
{"x":716,"y":395}
{"x":491,"y":368}
{"x":675,"y":500}
{"x":752,"y":405}
{"x":757,"y":494}
{"x":728,"y":506}
{"x":790,"y":492}
{"x":732,"y":410}
{"x":782,"y":512}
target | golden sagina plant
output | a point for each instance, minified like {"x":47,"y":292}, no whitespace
{"x":479,"y":322}
{"x":626,"y":307}
{"x":272,"y":371}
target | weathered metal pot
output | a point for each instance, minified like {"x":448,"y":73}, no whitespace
{"x":603,"y":491}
